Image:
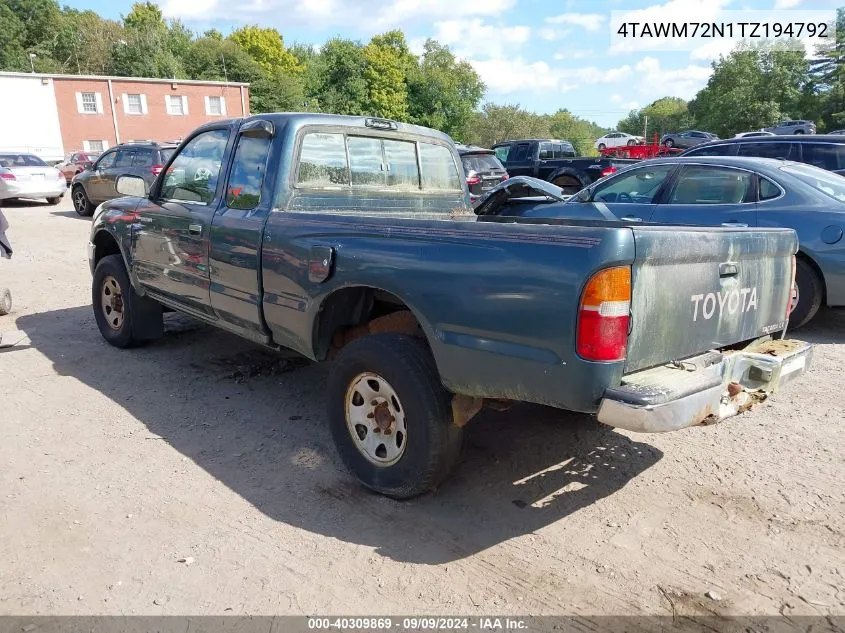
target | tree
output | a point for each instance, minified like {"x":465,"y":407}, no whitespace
{"x":338,"y":84}
{"x":12,"y":36}
{"x":667,"y":114}
{"x":827,"y":78}
{"x":84,"y":42}
{"x":266,"y":46}
{"x":497,"y":123}
{"x":580,"y":132}
{"x":384,"y":74}
{"x":443,"y":92}
{"x":150,"y":45}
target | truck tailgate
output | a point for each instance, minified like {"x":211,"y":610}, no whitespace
{"x":700,"y":289}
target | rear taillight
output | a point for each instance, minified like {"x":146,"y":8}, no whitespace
{"x":473,"y":179}
{"x":604,"y":315}
{"x":156,"y":169}
{"x":504,"y":177}
{"x":607,"y":171}
{"x":7,"y":175}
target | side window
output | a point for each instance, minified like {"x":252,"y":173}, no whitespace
{"x":568,"y":150}
{"x":75,"y":158}
{"x":714,"y":150}
{"x":124,"y":158}
{"x":401,"y":159}
{"x":546,"y":151}
{"x":825,"y":155}
{"x":322,"y":160}
{"x":142,"y":158}
{"x":502,"y":152}
{"x":194,"y":172}
{"x":785,"y":151}
{"x":518,"y":153}
{"x":106,"y":161}
{"x":247,"y":178}
{"x":711,"y":185}
{"x":439,"y":170}
{"x":768,"y":189}
{"x":638,"y":185}
{"x":365,"y":161}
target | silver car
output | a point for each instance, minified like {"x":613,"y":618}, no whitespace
{"x":793,"y":127}
{"x":27,"y":176}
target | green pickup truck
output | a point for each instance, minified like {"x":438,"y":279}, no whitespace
{"x":352,"y":239}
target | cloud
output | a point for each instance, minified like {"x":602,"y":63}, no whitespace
{"x":365,"y":17}
{"x":473,"y":38}
{"x":786,"y":4}
{"x":574,"y":53}
{"x":509,"y":75}
{"x":679,"y":82}
{"x":551,"y":34}
{"x":588,"y":21}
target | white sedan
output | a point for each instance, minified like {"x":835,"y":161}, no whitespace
{"x":27,"y":176}
{"x":617,"y":139}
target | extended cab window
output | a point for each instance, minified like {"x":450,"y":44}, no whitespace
{"x":439,"y":170}
{"x":322,"y":161}
{"x":546,"y":151}
{"x":193,"y":174}
{"x":715,"y":150}
{"x":711,"y":185}
{"x":785,"y":151}
{"x":825,"y":155}
{"x":247,"y":178}
{"x":639,"y":185}
{"x":502,"y":152}
{"x":518,"y":153}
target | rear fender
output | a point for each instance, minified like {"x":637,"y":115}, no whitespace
{"x":572,"y":173}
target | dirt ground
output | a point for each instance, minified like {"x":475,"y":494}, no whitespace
{"x":197,"y":475}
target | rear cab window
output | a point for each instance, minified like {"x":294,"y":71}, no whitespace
{"x":778,"y":149}
{"x":830,"y":156}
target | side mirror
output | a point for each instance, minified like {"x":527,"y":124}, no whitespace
{"x":583,"y":196}
{"x":258,"y":128}
{"x":131,"y":186}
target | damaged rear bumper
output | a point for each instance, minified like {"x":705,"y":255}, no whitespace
{"x":704,"y":389}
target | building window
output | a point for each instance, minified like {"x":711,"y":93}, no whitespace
{"x":214,"y":106}
{"x":89,"y":103}
{"x":94,"y":145}
{"x":135,"y":104}
{"x":176,"y":104}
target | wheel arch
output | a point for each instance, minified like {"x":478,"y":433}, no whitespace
{"x":570,"y":172}
{"x":811,"y":262}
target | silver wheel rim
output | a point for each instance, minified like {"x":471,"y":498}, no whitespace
{"x":111,"y":302}
{"x":79,"y":200}
{"x":375,"y":419}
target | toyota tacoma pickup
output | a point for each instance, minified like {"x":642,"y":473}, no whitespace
{"x":351,"y":239}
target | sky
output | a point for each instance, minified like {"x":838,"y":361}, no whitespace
{"x":541,"y":54}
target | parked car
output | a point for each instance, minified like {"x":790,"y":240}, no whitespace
{"x":27,"y":176}
{"x":689,"y":138}
{"x":793,"y":127}
{"x":750,"y":134}
{"x":732,"y":191}
{"x":837,"y":132}
{"x":96,"y":184}
{"x":617,"y":139}
{"x":355,"y":249}
{"x":554,"y":161}
{"x":76,"y":162}
{"x":482,"y":170}
{"x":821,"y":150}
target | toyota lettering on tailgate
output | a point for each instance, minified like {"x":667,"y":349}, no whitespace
{"x":742,"y":300}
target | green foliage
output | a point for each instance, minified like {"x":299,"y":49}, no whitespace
{"x":580,"y":132}
{"x":384,"y":75}
{"x":668,"y":114}
{"x":266,"y":46}
{"x":337,"y":82}
{"x":497,"y":123}
{"x":150,"y":47}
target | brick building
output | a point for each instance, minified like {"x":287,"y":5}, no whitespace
{"x":51,"y":115}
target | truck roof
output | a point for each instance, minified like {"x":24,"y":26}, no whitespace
{"x":302,"y":119}
{"x":531,"y":140}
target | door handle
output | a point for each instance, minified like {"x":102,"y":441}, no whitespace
{"x":195,"y":229}
{"x":631,"y":218}
{"x":735,"y":225}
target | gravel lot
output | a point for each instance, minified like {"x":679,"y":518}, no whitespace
{"x":197,"y":475}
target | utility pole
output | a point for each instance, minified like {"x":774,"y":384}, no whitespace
{"x":225,"y":74}
{"x":645,"y":129}
{"x":31,"y":63}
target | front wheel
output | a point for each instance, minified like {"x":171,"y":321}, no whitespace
{"x":799,"y":131}
{"x":631,"y":143}
{"x":5,"y":301}
{"x":124,"y":318}
{"x":669,"y":142}
{"x":810,"y":293}
{"x":81,"y":204}
{"x":602,"y":146}
{"x":390,"y":417}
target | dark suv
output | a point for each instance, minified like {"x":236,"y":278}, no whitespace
{"x":96,"y":183}
{"x":482,"y":170}
{"x":822,"y":150}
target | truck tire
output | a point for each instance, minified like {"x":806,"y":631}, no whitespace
{"x":5,"y":301}
{"x":390,"y":417}
{"x":124,"y":318}
{"x":810,"y":294}
{"x":81,"y":204}
{"x":568,"y":184}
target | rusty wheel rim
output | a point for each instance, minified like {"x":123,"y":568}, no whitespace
{"x":111,"y":302}
{"x":375,"y":419}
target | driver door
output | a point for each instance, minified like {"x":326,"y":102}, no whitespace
{"x":632,"y":195}
{"x":171,"y":243}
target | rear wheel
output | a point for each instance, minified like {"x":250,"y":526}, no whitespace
{"x":124,"y":318}
{"x":569,"y":185}
{"x":810,"y":294}
{"x":799,"y":131}
{"x":669,"y":142}
{"x":602,"y":146}
{"x":390,"y":417}
{"x":81,"y":204}
{"x":5,"y":301}
{"x":632,"y":142}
